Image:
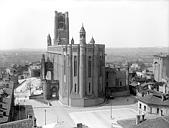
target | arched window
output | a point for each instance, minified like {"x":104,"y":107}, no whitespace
{"x":61,"y":22}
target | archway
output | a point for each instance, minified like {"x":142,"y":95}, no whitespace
{"x":54,"y":92}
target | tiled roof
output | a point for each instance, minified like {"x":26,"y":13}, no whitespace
{"x":160,"y":122}
{"x":154,"y":100}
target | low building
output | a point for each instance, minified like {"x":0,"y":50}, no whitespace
{"x":154,"y":103}
{"x":160,"y":122}
{"x":116,"y":81}
{"x":34,"y":69}
{"x":149,"y":122}
{"x":6,"y":101}
{"x":160,"y":67}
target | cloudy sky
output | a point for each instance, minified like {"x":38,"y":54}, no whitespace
{"x":116,"y":23}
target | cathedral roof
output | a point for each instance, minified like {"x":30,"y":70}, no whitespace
{"x":92,"y":41}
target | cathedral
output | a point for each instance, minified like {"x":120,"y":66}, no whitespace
{"x":73,"y":72}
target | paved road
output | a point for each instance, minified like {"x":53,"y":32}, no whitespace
{"x":102,"y":118}
{"x":68,"y":117}
{"x":94,"y":117}
{"x":54,"y":114}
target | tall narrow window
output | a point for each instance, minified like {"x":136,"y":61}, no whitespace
{"x":75,"y":88}
{"x":120,"y":83}
{"x":107,"y":84}
{"x":107,"y":74}
{"x":144,"y":108}
{"x":100,"y":70}
{"x":75,"y":66}
{"x":89,"y":88}
{"x":64,"y":64}
{"x":157,"y":110}
{"x":89,"y":66}
{"x":161,"y":112}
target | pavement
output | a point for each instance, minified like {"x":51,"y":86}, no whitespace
{"x":62,"y":116}
{"x":50,"y":116}
{"x":103,"y":116}
{"x":106,"y":116}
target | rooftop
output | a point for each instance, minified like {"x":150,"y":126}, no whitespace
{"x":162,"y":55}
{"x":159,"y":122}
{"x":155,"y":99}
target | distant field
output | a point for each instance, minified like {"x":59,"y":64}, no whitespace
{"x":22,"y":56}
{"x":133,"y":54}
{"x":9,"y":57}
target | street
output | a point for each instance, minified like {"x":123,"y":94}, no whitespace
{"x":59,"y":115}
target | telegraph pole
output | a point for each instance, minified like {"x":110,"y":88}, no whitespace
{"x":45,"y":116}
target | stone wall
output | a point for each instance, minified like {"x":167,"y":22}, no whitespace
{"x":26,"y":123}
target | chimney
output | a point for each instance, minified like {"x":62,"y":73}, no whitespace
{"x":79,"y":125}
{"x":137,"y":119}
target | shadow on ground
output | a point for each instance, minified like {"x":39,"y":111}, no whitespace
{"x":118,"y":101}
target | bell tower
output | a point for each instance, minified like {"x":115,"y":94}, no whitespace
{"x":61,"y":28}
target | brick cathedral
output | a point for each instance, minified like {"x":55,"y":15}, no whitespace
{"x":74,"y":72}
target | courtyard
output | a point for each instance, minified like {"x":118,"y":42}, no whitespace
{"x":105,"y":115}
{"x":103,"y":118}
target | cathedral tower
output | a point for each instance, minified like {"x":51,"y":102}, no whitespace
{"x":61,"y":28}
{"x":75,"y":70}
{"x":43,"y":67}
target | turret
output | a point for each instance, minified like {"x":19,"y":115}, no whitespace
{"x":49,"y":42}
{"x":82,"y":36}
{"x":70,"y":86}
{"x":43,"y":67}
{"x":92,"y":41}
{"x":55,"y":27}
{"x":72,"y":41}
{"x":82,"y":65}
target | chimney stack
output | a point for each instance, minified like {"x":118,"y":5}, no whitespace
{"x":79,"y":125}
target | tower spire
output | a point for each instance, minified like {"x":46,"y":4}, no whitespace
{"x":49,"y":40}
{"x":72,"y":41}
{"x":92,"y":41}
{"x":82,"y":35}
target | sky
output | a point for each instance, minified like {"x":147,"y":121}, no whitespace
{"x":115,"y":23}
